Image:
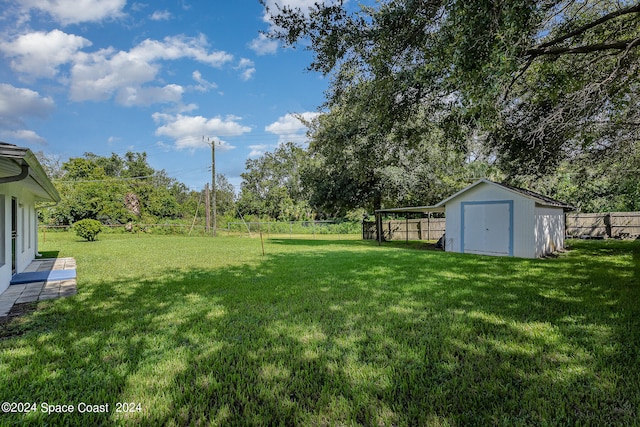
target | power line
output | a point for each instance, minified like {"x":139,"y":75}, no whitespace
{"x":105,"y":179}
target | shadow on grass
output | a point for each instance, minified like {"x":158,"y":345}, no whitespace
{"x":320,"y":242}
{"x":347,"y":335}
{"x":48,"y":254}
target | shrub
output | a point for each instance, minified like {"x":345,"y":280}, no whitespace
{"x":87,"y":229}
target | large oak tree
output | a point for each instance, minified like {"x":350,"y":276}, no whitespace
{"x":539,"y":84}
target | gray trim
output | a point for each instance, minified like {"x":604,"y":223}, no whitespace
{"x":12,"y":151}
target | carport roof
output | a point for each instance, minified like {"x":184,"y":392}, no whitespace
{"x":417,"y":209}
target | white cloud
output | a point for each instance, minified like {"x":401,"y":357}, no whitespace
{"x":178,"y":47}
{"x":193,"y":143}
{"x":188,"y":131}
{"x":97,"y":76}
{"x":127,"y":76}
{"x":39,"y":54}
{"x":25,"y":135}
{"x":149,"y":95}
{"x":184,"y":108}
{"x":247,"y":68}
{"x":248,"y":74}
{"x":138,"y":7}
{"x":161,"y":15}
{"x":262,"y":45}
{"x":100,"y":75}
{"x":18,"y":102}
{"x":77,"y":11}
{"x":203,"y":84}
{"x":291,"y":128}
{"x":258,"y":150}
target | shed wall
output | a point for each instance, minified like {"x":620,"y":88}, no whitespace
{"x":549,"y":230}
{"x":522,"y":218}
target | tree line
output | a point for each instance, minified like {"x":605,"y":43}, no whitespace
{"x":294,"y":183}
{"x":123,"y":189}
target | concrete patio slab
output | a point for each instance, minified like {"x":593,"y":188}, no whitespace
{"x":39,"y":291}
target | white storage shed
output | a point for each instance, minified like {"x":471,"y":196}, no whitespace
{"x":489,"y":218}
{"x":496,"y":219}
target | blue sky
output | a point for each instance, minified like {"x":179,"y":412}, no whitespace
{"x":107,"y":76}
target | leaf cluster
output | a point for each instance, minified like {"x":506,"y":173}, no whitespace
{"x":272,"y":185}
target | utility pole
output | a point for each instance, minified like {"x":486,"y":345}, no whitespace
{"x":212,"y":142}
{"x":207,"y":208}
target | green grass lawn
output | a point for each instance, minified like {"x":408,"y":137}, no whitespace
{"x":200,"y":331}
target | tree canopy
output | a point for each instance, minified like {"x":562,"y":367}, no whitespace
{"x":540,"y":87}
{"x":272,"y":185}
{"x":120,"y":189}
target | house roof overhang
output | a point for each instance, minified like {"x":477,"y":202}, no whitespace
{"x":27,"y":168}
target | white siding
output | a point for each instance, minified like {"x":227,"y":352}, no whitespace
{"x":27,"y":230}
{"x":523,"y":235}
{"x":453,"y":224}
{"x":549,"y":230}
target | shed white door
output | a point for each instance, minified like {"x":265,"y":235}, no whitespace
{"x":486,"y":228}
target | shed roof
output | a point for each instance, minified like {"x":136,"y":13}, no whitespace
{"x":539,"y":198}
{"x":440,"y":206}
{"x":24,"y":158}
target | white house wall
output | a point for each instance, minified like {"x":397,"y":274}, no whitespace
{"x":549,"y":230}
{"x":522,"y":217}
{"x":27,"y":238}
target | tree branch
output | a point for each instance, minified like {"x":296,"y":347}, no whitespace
{"x":580,"y":30}
{"x":523,"y":70}
{"x":618,"y":45}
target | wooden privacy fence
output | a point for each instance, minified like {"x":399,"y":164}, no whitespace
{"x":406,"y":229}
{"x":621,"y":225}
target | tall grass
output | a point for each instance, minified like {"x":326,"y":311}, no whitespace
{"x":201,"y":331}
